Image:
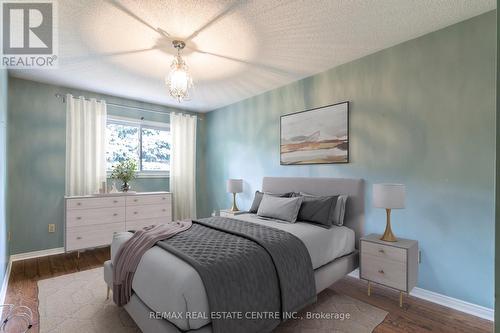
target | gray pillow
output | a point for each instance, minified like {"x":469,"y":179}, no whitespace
{"x":258,"y":198}
{"x":339,"y":212}
{"x":337,"y":217}
{"x":318,"y":209}
{"x":285,"y":209}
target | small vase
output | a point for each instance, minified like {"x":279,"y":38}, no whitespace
{"x":125,"y":187}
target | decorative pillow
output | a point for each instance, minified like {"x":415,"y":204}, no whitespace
{"x":318,"y":209}
{"x":258,"y":198}
{"x":280,"y":208}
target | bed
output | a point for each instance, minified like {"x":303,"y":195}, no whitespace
{"x":333,"y":254}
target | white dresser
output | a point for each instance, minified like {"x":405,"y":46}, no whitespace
{"x":91,"y":220}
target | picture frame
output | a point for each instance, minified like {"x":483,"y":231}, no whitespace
{"x":315,"y":136}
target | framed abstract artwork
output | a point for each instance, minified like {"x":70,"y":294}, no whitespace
{"x":316,"y":136}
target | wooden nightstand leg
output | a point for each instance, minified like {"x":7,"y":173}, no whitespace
{"x":400,"y":299}
{"x":369,"y":288}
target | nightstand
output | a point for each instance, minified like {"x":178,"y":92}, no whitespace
{"x":392,"y":264}
{"x":228,"y":213}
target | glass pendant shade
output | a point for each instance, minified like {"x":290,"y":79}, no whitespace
{"x":179,"y":80}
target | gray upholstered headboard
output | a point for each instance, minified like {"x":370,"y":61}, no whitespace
{"x":355,"y":188}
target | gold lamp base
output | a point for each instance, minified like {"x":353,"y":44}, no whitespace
{"x":234,"y":208}
{"x":388,"y":236}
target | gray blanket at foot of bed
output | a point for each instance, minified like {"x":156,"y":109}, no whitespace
{"x":252,"y":273}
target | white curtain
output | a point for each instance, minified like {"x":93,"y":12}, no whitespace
{"x":183,"y":165}
{"x":85,"y":145}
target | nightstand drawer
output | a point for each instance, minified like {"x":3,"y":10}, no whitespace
{"x":383,"y":252}
{"x":387,"y":272}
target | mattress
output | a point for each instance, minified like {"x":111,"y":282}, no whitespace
{"x":169,"y":285}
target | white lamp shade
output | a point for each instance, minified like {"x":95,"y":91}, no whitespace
{"x":389,"y":196}
{"x":234,"y":185}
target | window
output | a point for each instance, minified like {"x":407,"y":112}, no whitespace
{"x":148,"y":143}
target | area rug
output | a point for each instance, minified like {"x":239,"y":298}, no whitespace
{"x":77,"y":303}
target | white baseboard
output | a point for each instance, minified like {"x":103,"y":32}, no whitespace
{"x":36,"y":254}
{"x":5,"y":283}
{"x":450,"y":302}
{"x":22,"y":256}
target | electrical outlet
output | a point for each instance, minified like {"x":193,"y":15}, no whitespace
{"x":52,"y":228}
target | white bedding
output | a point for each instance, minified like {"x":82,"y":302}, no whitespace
{"x":166,"y":283}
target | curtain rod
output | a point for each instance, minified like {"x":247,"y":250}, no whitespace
{"x":63,"y":98}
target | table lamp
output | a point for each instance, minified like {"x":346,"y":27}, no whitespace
{"x":389,"y":196}
{"x":234,"y":186}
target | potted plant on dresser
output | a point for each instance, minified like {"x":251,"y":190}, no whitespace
{"x":125,"y":171}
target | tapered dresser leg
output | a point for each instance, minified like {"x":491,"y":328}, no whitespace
{"x":400,"y":299}
{"x":369,"y":288}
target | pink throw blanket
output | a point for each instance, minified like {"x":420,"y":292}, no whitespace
{"x":130,"y":253}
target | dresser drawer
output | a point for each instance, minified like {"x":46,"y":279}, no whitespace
{"x":86,"y":203}
{"x":155,"y":199}
{"x":81,"y":217}
{"x":387,"y":272}
{"x":148,"y":212}
{"x":91,"y":236}
{"x":383,"y":252}
{"x":139,"y":224}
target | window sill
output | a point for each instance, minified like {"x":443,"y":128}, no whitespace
{"x":141,"y":175}
{"x":153,"y":175}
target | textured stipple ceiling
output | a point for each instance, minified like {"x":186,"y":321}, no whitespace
{"x":123,"y":48}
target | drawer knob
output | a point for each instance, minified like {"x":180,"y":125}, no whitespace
{"x":135,"y":213}
{"x":79,"y":237}
{"x":135,"y":200}
{"x":115,"y":214}
{"x":163,"y":198}
{"x":381,"y":251}
{"x":381,"y":271}
{"x":163,"y":210}
{"x":78,"y":218}
{"x":115,"y":201}
{"x":78,"y":203}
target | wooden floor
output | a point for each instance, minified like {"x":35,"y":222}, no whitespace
{"x":416,"y":316}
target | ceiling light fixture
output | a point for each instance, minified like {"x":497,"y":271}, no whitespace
{"x":179,"y":80}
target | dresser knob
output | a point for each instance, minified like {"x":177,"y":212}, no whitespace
{"x":163,"y":198}
{"x":135,"y":200}
{"x":163,"y":210}
{"x":135,"y":213}
{"x":115,"y":214}
{"x":381,"y":271}
{"x":115,"y":201}
{"x":381,"y":251}
{"x":78,"y":203}
{"x":78,"y":218}
{"x":78,"y":237}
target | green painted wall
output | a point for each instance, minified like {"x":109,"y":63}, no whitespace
{"x":36,"y":165}
{"x":4,"y":246}
{"x":423,"y":114}
{"x":497,"y":187}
